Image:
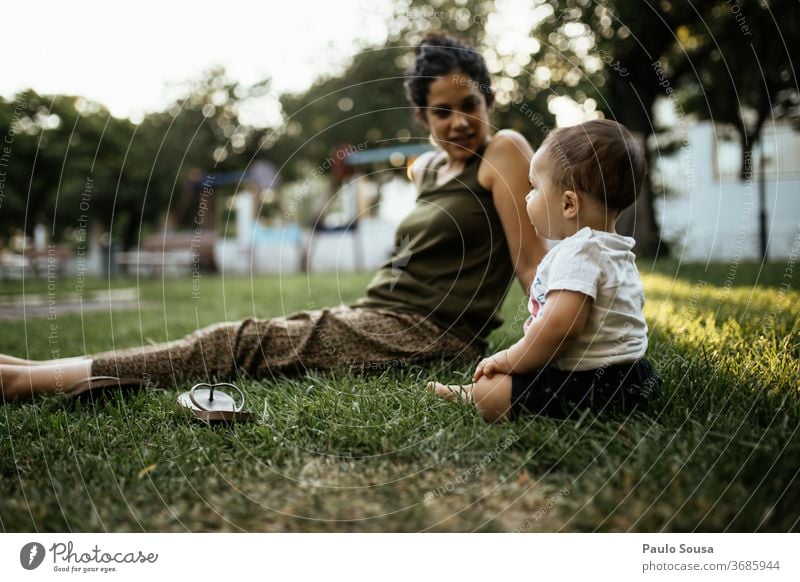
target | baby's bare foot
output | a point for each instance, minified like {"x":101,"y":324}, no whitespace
{"x":451,"y":392}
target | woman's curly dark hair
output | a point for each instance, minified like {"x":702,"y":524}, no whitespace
{"x":439,"y":54}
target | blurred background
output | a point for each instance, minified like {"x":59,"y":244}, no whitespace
{"x":171,"y":139}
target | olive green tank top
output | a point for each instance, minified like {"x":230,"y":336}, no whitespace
{"x":451,"y":261}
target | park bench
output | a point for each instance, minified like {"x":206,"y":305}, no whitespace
{"x":153,"y":263}
{"x":51,"y":262}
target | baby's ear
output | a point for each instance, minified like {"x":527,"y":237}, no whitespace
{"x":570,"y":204}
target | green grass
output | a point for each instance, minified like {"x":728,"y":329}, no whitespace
{"x":348,"y":453}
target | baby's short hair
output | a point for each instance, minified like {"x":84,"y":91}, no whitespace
{"x":600,"y":158}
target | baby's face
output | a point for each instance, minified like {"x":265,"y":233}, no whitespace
{"x":545,"y":199}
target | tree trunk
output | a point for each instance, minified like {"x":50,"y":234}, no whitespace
{"x":745,"y":169}
{"x":130,"y":234}
{"x":639,"y":220}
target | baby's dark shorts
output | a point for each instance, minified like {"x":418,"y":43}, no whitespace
{"x":561,"y":394}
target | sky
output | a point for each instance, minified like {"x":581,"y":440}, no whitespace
{"x":123,"y":53}
{"x":133,"y":56}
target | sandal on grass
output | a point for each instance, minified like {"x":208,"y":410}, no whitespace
{"x":208,"y":404}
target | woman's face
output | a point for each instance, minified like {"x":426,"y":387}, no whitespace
{"x":456,"y":115}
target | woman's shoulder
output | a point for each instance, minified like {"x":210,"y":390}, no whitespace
{"x":508,"y":142}
{"x":417,"y":167}
{"x":508,"y":152}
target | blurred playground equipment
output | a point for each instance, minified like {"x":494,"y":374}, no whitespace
{"x":247,"y":222}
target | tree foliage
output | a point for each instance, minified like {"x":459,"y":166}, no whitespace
{"x":70,"y":160}
{"x":364,"y":105}
{"x":63,"y":150}
{"x":732,"y":61}
{"x":749,"y":77}
{"x":705,"y":54}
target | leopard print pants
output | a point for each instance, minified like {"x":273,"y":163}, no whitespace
{"x":356,"y":338}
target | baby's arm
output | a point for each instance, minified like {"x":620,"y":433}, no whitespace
{"x":563,"y":318}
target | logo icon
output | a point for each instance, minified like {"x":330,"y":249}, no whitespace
{"x":31,"y":555}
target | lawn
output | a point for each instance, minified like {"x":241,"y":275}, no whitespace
{"x":346,"y":453}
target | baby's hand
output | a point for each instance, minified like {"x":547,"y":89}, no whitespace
{"x":495,"y":364}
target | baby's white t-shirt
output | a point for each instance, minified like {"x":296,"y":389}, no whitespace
{"x":601,"y":265}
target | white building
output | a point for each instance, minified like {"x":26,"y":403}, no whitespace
{"x":711,"y":215}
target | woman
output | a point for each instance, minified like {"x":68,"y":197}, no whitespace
{"x":437,"y":297}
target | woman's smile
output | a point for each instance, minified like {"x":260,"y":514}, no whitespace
{"x":464,"y":140}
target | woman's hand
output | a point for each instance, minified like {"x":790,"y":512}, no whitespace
{"x":496,"y":364}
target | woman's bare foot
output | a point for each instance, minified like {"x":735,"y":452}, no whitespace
{"x":24,"y":381}
{"x":10,"y":384}
{"x":12,"y":361}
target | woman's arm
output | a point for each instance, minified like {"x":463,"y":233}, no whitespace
{"x":504,"y":171}
{"x":563,"y":318}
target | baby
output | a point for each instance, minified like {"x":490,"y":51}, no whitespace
{"x":585,"y":340}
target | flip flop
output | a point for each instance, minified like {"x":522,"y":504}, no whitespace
{"x":211,"y":405}
{"x":93,"y":383}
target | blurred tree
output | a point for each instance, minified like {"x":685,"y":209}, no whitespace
{"x":720,"y":56}
{"x":623,"y":51}
{"x":201,"y":131}
{"x":618,"y":56}
{"x":519,"y":105}
{"x":749,"y":77}
{"x":362,"y":105}
{"x":70,"y":157}
{"x":365,"y":102}
{"x":63,"y":160}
